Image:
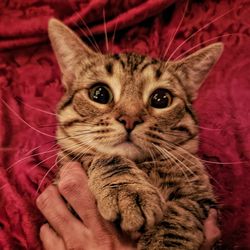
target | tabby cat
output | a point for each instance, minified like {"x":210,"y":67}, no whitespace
{"x":128,"y":119}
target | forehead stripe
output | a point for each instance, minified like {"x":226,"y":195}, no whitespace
{"x":109,"y":68}
{"x":148,"y":64}
{"x":133,"y":61}
{"x":118,"y":58}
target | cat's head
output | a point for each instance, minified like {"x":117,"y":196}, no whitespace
{"x":126,"y":104}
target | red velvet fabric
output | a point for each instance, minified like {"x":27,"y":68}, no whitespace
{"x":30,"y":88}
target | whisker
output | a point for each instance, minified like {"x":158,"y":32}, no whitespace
{"x":41,"y":153}
{"x":74,"y":147}
{"x":44,"y":177}
{"x":213,"y":162}
{"x":82,"y":124}
{"x":80,"y":154}
{"x":47,"y":125}
{"x":165,"y":153}
{"x":205,"y":42}
{"x":113,"y":37}
{"x":224,"y":163}
{"x":20,"y":118}
{"x":54,"y":165}
{"x":59,"y":124}
{"x":27,"y":157}
{"x":196,"y":158}
{"x":33,"y":149}
{"x":176,"y":30}
{"x":105,"y":31}
{"x":176,"y":134}
{"x":200,"y":29}
{"x":92,"y":41}
{"x":180,"y":160}
{"x":205,"y":140}
{"x":68,"y":137}
{"x":44,"y":160}
{"x":207,"y":128}
{"x":153,"y":156}
{"x":35,"y":108}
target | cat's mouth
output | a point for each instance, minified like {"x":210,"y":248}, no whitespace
{"x":127,"y":141}
{"x":128,"y":138}
{"x":126,"y":147}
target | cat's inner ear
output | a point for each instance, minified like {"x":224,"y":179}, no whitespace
{"x":69,"y":49}
{"x":193,"y":69}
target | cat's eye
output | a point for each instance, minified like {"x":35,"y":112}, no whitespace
{"x":100,"y":93}
{"x":160,"y":98}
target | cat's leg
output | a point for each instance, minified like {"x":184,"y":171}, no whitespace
{"x":180,"y":229}
{"x":123,"y":193}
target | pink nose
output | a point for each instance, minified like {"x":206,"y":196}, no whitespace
{"x":129,"y":122}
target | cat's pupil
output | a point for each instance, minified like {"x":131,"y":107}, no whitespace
{"x":101,"y":94}
{"x":160,"y":98}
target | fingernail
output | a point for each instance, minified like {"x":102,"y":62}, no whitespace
{"x":213,"y":213}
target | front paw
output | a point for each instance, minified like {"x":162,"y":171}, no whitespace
{"x":136,"y":206}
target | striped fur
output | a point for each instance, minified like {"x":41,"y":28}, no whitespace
{"x":149,"y":177}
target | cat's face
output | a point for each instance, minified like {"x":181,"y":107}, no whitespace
{"x":126,"y":104}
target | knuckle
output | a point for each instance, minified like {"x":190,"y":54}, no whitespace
{"x":74,"y":168}
{"x":73,"y":246}
{"x":69,"y":186}
{"x":44,"y":200}
{"x":43,"y":230}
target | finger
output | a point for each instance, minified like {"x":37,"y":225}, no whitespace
{"x":52,"y":206}
{"x":50,"y":239}
{"x":211,"y":230}
{"x":211,"y":227}
{"x":73,"y":185}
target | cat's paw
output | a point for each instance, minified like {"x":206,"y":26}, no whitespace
{"x":136,"y":206}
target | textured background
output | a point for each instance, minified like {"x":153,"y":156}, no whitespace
{"x":30,"y":88}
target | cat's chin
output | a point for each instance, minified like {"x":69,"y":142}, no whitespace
{"x":126,"y":149}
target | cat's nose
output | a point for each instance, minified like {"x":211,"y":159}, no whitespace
{"x":129,"y":122}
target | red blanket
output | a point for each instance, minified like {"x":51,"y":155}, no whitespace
{"x":30,"y":88}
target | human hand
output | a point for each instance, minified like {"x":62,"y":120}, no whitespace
{"x":64,"y":230}
{"x":92,"y":232}
{"x":211,"y":231}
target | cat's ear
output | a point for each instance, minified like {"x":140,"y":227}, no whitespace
{"x":193,"y":69}
{"x":69,"y":49}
